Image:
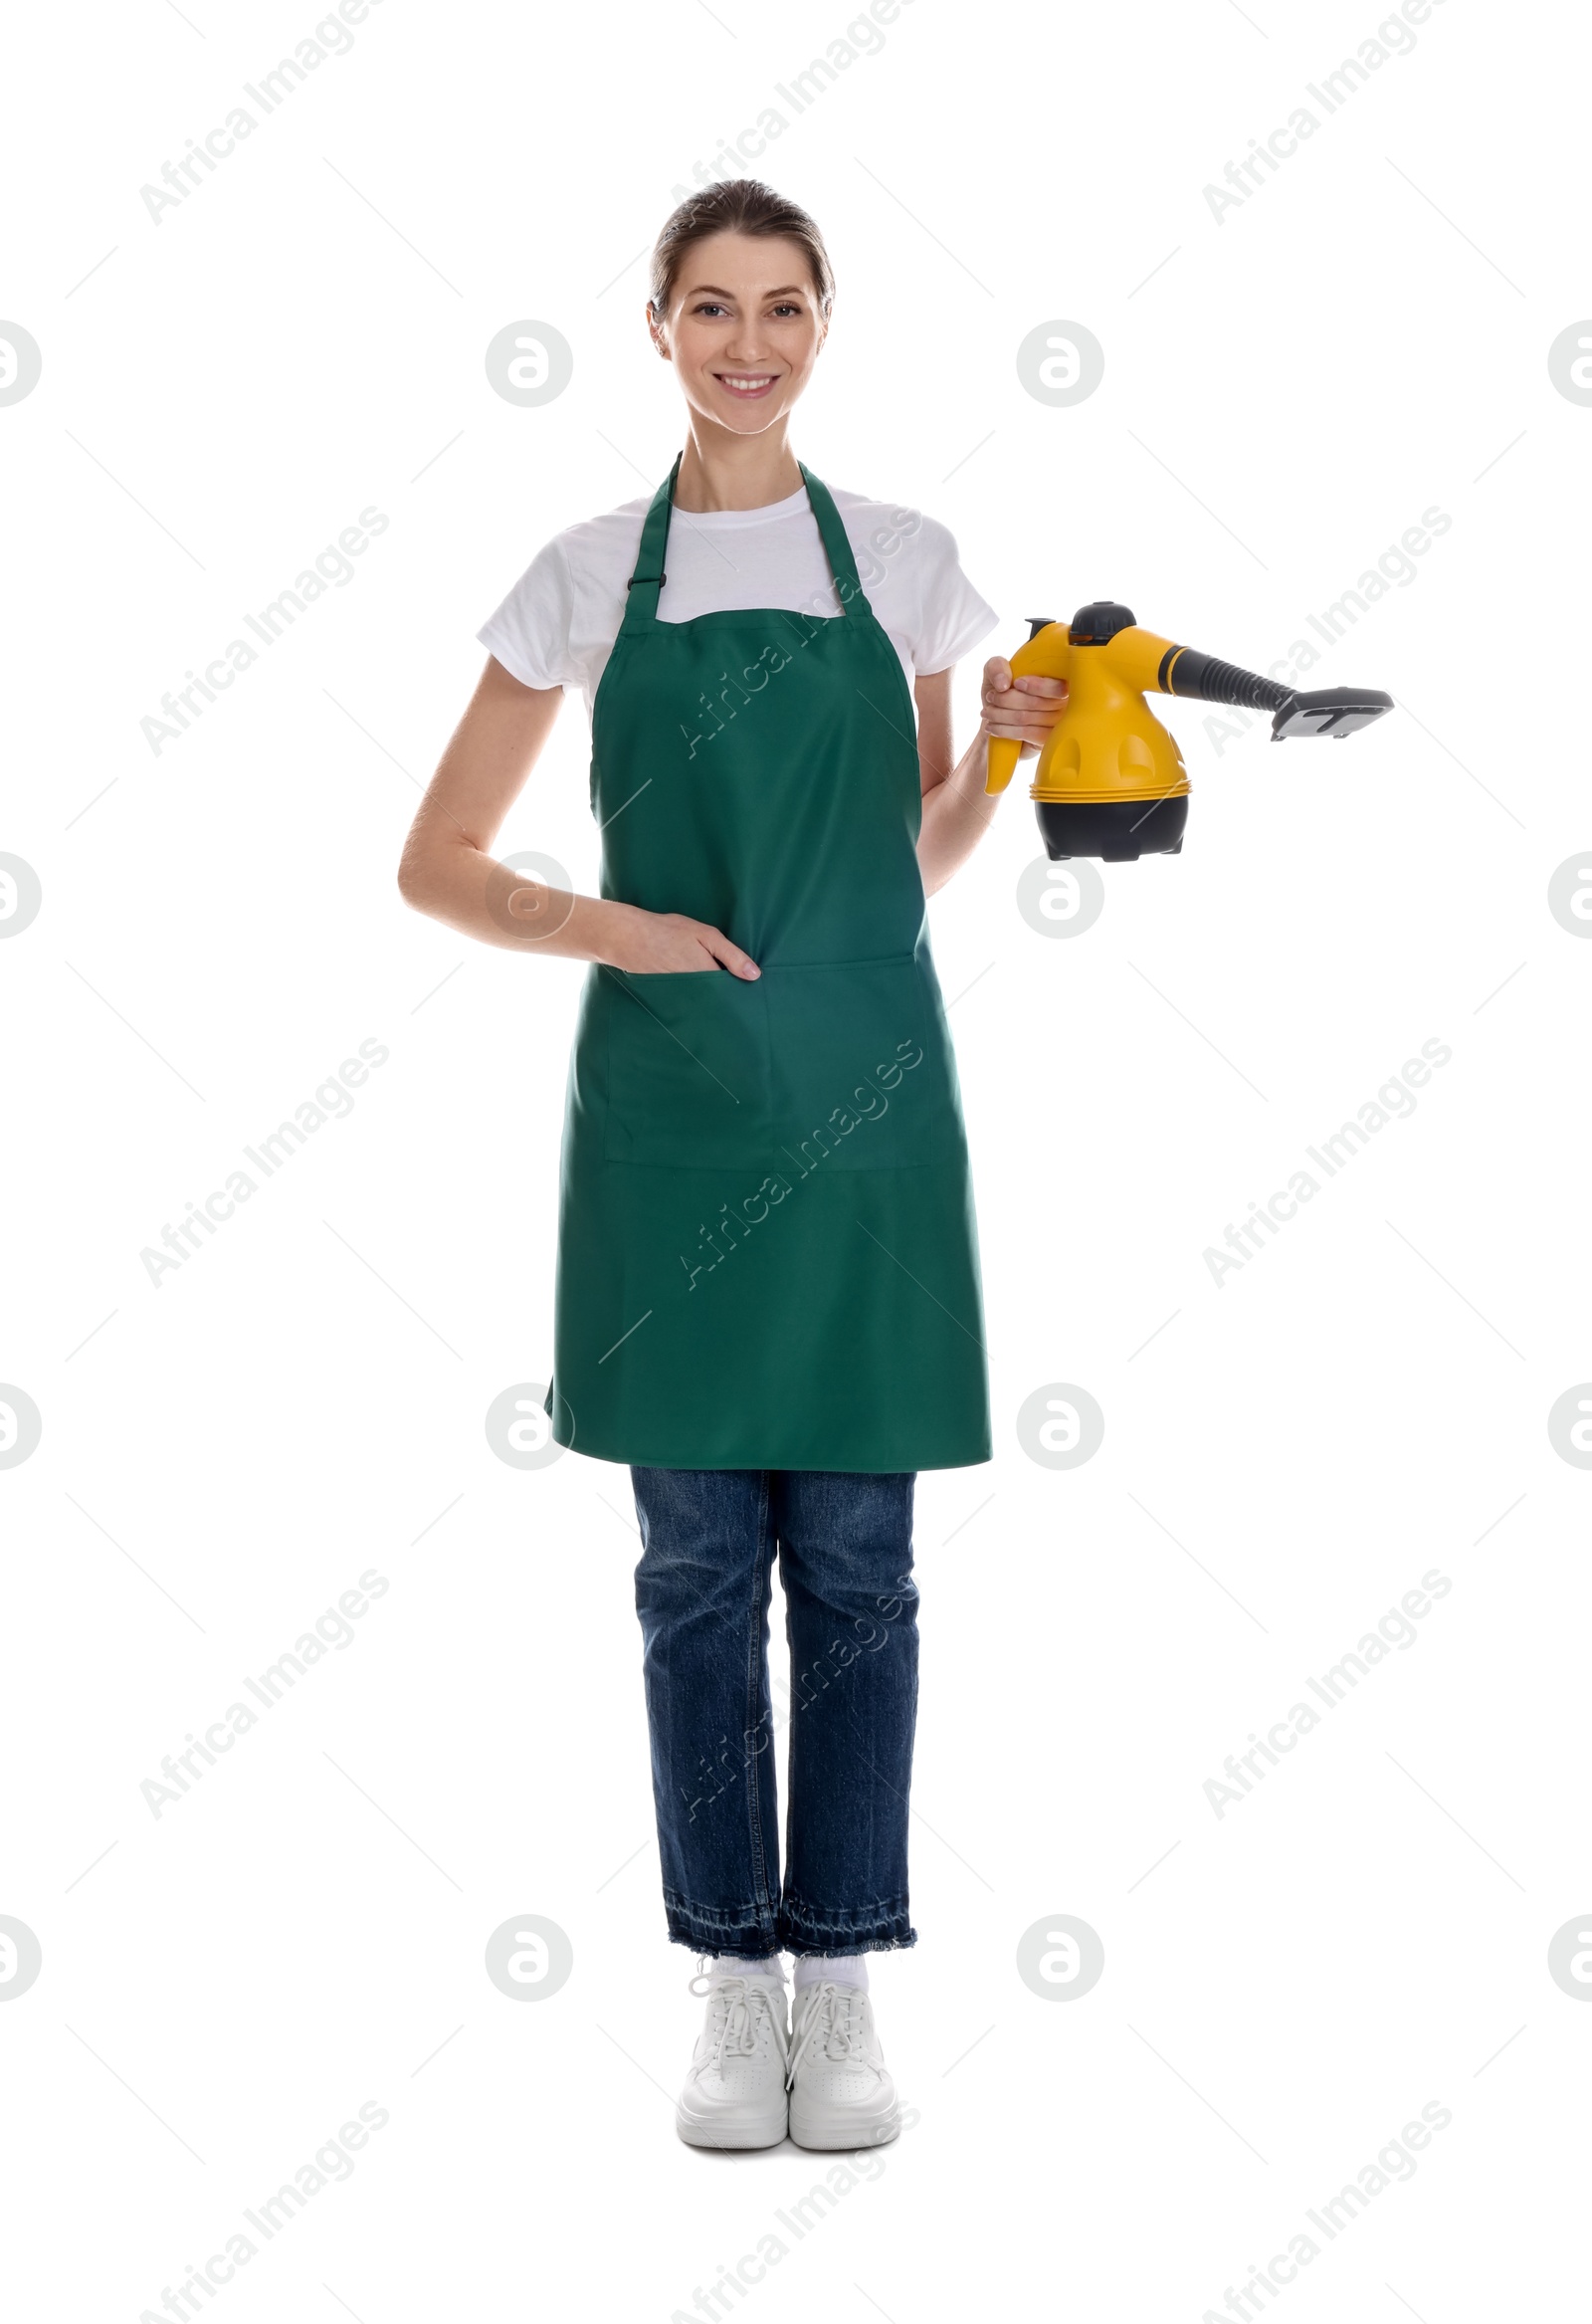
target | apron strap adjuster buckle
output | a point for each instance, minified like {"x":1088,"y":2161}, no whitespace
{"x":645,"y":580}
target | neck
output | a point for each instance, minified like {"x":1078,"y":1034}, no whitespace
{"x":720,"y":470}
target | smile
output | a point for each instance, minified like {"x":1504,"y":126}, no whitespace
{"x":748,"y":383}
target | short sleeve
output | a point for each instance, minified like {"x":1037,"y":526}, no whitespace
{"x":953,"y":617}
{"x":530,"y":631}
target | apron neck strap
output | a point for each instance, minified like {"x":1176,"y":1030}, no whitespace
{"x":837,"y":549}
{"x":642,"y":592}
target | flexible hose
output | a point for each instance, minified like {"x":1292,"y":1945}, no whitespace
{"x":1202,"y":678}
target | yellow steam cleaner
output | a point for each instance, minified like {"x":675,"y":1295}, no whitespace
{"x":1111,"y":781}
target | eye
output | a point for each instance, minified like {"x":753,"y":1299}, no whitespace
{"x":710,"y":307}
{"x":785,"y":307}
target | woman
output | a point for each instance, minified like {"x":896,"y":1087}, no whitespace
{"x":768,"y":1297}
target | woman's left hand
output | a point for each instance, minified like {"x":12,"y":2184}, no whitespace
{"x":1019,"y":710}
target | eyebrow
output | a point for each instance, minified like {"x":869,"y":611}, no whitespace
{"x":784,"y":292}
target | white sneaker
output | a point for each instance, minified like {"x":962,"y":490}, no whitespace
{"x":735,"y":2094}
{"x":840,"y":2092}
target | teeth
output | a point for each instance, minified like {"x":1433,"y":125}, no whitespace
{"x":761,"y":380}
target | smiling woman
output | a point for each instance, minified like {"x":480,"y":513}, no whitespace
{"x":742,"y":207}
{"x":769,"y":1294}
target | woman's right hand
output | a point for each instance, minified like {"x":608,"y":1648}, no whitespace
{"x":449,"y":872}
{"x":667,"y":943}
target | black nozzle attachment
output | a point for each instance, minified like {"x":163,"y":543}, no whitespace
{"x":1037,"y":622}
{"x":1330,"y":709}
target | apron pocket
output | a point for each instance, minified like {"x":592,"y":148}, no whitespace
{"x":688,"y":1070}
{"x":863,"y":1076}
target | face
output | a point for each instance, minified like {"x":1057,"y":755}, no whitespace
{"x":742,"y":328}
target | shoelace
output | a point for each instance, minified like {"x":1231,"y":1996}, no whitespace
{"x":737,"y":2002}
{"x":835,"y":2018}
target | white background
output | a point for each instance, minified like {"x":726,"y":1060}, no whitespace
{"x":1285,"y":391}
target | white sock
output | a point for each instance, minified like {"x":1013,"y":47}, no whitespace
{"x":838,"y":1968}
{"x":733,"y":1965}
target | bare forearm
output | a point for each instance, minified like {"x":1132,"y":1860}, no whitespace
{"x":449,"y":872}
{"x":958,"y":810}
{"x":956,"y":814}
{"x":449,"y":879}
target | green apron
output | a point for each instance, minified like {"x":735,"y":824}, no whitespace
{"x":767,"y":1252}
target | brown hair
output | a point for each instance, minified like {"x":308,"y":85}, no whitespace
{"x":738,"y":205}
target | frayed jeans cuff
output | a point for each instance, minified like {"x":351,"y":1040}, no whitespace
{"x":879,"y":1928}
{"x":749,"y":1932}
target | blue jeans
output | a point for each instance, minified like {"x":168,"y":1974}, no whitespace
{"x":844,"y":1542}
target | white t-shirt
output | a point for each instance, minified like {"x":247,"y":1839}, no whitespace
{"x":558,"y":622}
